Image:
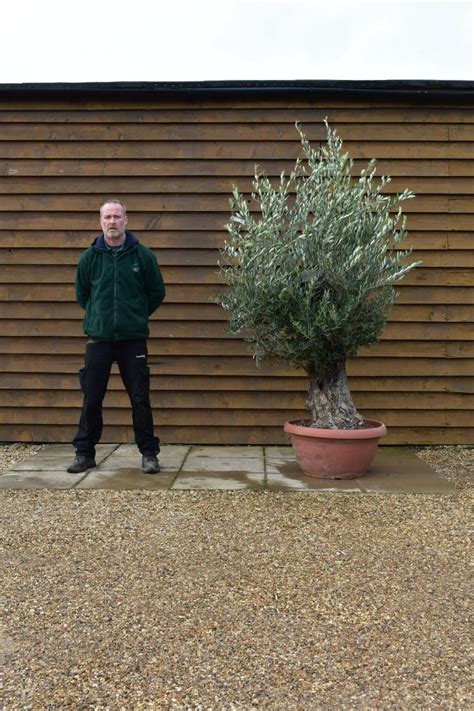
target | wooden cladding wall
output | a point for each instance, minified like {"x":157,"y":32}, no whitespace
{"x":174,"y":164}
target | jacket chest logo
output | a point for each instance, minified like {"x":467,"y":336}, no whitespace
{"x":135,"y":267}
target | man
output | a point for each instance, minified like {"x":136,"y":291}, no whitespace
{"x":119,"y":284}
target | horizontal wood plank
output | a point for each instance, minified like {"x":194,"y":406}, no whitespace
{"x":206,"y":293}
{"x":459,"y":258}
{"x":207,"y":275}
{"x":238,"y":167}
{"x":45,"y":381}
{"x":210,"y":417}
{"x":228,"y":435}
{"x":231,"y":401}
{"x":89,"y":186}
{"x":236,"y":347}
{"x":212,"y":239}
{"x":236,"y":132}
{"x":209,"y":203}
{"x":169,"y":311}
{"x":195,"y":221}
{"x":230,"y":150}
{"x":225,"y":366}
{"x":218,"y":114}
{"x":401,"y":331}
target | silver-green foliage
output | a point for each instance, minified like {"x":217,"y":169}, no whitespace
{"x":310,"y":279}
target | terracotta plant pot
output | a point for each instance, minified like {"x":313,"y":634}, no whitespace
{"x":334,"y":454}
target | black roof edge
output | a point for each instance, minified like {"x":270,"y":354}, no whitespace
{"x":385,"y":89}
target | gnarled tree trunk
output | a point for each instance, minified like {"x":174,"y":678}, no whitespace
{"x":330,"y":401}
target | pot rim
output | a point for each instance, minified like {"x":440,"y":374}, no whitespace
{"x":377,"y":429}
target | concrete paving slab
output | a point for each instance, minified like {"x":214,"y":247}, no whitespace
{"x":122,"y":470}
{"x":129,"y":450}
{"x":39,"y":480}
{"x":394,"y":470}
{"x":125,"y":478}
{"x":223,"y":480}
{"x":224,"y":452}
{"x":220,"y":464}
{"x":127,"y":456}
{"x":57,"y":457}
{"x":397,"y":470}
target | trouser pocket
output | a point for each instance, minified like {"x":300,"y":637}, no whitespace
{"x":82,"y":379}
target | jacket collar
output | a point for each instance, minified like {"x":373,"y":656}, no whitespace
{"x":101,"y":245}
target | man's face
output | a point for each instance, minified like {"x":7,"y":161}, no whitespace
{"x":113,"y":220}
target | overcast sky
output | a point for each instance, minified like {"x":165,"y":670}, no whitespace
{"x":197,"y":40}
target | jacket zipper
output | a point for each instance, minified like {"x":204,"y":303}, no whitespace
{"x":115,"y":293}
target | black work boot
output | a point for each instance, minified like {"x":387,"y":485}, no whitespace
{"x":80,"y":464}
{"x":150,"y":464}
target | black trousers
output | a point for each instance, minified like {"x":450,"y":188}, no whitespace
{"x":131,"y":358}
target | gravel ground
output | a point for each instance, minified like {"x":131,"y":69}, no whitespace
{"x":12,"y":454}
{"x":453,"y":463}
{"x":234,"y":600}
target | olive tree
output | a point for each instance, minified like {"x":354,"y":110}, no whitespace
{"x":310,"y":271}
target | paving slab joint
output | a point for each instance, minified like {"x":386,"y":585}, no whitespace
{"x":265,"y":476}
{"x":88,"y":471}
{"x":171,"y":484}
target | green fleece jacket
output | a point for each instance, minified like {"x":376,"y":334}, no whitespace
{"x":118,"y":291}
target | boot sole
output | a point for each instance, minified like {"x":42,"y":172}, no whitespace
{"x":70,"y":470}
